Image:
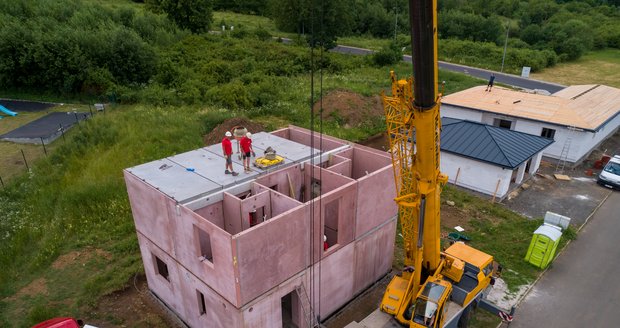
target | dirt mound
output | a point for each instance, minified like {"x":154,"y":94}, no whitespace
{"x":215,"y":136}
{"x":350,"y":108}
{"x":79,"y":257}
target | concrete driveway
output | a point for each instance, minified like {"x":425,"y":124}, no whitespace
{"x":580,"y":289}
{"x":576,"y":198}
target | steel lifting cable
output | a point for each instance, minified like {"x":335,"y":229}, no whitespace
{"x":321,"y":218}
{"x":311,"y":186}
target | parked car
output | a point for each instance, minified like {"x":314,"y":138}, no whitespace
{"x":62,"y":323}
{"x":610,"y":175}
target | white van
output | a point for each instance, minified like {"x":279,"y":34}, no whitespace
{"x":610,"y":176}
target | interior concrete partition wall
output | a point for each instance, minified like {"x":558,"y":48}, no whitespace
{"x":283,"y":179}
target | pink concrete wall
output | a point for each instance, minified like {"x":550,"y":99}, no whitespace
{"x":254,"y":202}
{"x":168,"y":290}
{"x":375,"y":200}
{"x":280,"y":179}
{"x":232,"y":214}
{"x":219,"y":312}
{"x":272,"y":252}
{"x":303,"y":136}
{"x":343,"y":168}
{"x":219,"y":273}
{"x":366,"y":159}
{"x":373,"y":255}
{"x":150,"y":211}
{"x":214,"y":213}
{"x":281,"y":203}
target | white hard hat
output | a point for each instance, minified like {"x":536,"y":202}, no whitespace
{"x":324,"y":237}
{"x":249,"y":135}
{"x":228,"y":134}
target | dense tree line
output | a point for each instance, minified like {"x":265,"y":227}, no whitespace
{"x":69,"y":47}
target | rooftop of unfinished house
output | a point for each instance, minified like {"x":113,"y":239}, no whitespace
{"x":196,"y":178}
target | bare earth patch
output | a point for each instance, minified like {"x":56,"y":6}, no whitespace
{"x":216,"y":135}
{"x":349,"y":108}
{"x":36,"y":287}
{"x":80,"y":257}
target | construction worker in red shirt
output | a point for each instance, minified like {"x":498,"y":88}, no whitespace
{"x":227,"y":149}
{"x":246,"y":148}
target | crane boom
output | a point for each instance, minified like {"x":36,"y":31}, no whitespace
{"x":419,"y":297}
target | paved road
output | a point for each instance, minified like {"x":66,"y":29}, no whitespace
{"x":508,"y":79}
{"x":581,"y":289}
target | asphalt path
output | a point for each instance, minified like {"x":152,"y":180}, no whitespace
{"x":580,"y":288}
{"x":508,"y":79}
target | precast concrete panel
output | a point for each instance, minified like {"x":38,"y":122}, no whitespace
{"x":281,"y":203}
{"x":282,"y":180}
{"x":254,"y":203}
{"x":211,"y":166}
{"x":214,"y":213}
{"x":343,"y":168}
{"x":168,"y":289}
{"x":217,"y":272}
{"x":149,"y":209}
{"x":375,"y":200}
{"x":174,"y":180}
{"x":204,"y":307}
{"x":232,"y":214}
{"x":367,"y":160}
{"x":334,"y":276}
{"x":272,"y":252}
{"x":373,"y":254}
{"x":303,"y":136}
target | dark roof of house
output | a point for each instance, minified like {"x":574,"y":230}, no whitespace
{"x":486,"y":143}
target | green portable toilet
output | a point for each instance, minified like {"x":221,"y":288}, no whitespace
{"x":543,"y":246}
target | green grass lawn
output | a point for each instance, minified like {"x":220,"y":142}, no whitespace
{"x":597,"y":67}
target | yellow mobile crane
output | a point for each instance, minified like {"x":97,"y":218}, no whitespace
{"x":435,"y":288}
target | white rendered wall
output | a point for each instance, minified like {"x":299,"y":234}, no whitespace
{"x":582,"y":142}
{"x":476,"y":175}
{"x":460,"y":113}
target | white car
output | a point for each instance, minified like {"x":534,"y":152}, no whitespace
{"x":610,"y":176}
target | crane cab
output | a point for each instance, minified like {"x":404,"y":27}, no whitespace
{"x":429,"y":308}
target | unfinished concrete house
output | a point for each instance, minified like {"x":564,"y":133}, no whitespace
{"x":248,"y":251}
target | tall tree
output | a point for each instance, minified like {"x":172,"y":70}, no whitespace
{"x":194,"y":15}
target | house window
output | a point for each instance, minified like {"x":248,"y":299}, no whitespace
{"x":202,"y":305}
{"x":204,"y":245}
{"x":332,"y":216}
{"x":505,"y":124}
{"x":547,"y":133}
{"x":161,"y":268}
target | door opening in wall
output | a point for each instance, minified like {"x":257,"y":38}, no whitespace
{"x":257,"y":216}
{"x":330,"y":228}
{"x":290,"y":310}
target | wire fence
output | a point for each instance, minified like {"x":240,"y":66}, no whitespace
{"x":21,"y":161}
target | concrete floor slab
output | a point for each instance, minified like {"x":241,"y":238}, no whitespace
{"x":211,"y":166}
{"x":174,"y":180}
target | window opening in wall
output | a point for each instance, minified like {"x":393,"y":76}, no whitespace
{"x":162,"y":268}
{"x":315,"y":188}
{"x":547,"y":133}
{"x":505,"y":124}
{"x":332,"y":216}
{"x":204,"y":245}
{"x":202,"y":306}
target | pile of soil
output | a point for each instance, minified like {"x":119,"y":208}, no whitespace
{"x":350,"y":109}
{"x":218,"y":132}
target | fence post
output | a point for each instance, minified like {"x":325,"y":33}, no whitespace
{"x":43,"y":143}
{"x":62,"y":131}
{"x":25,"y":161}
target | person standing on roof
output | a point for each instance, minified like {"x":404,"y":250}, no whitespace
{"x":490,"y":85}
{"x":227,"y":149}
{"x":246,"y":148}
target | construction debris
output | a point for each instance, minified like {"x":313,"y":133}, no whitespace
{"x":563,"y":177}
